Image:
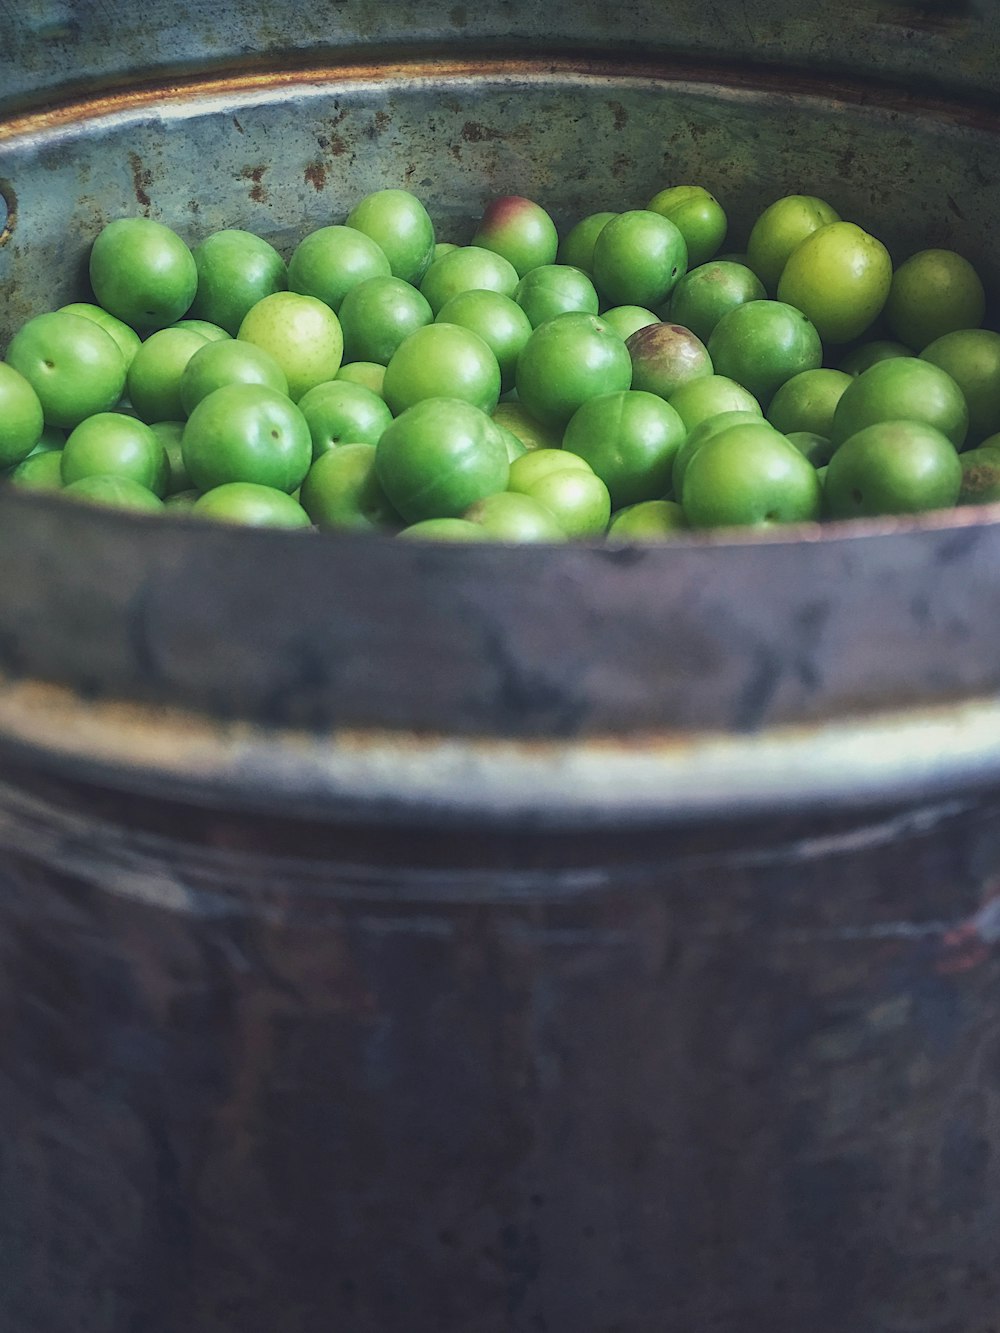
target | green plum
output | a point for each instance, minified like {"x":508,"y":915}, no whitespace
{"x":697,"y":215}
{"x":567,"y":360}
{"x":339,"y":412}
{"x":21,"y":418}
{"x":902,"y":388}
{"x":400,"y":224}
{"x":438,"y":361}
{"x":629,"y":438}
{"x":892,"y":467}
{"x":555,"y":289}
{"x":247,"y":432}
{"x":251,"y":505}
{"x":376,"y":316}
{"x":750,"y":476}
{"x":330,"y":261}
{"x":301,"y":333}
{"x":342,"y":490}
{"x":519,"y":230}
{"x":74,"y":366}
{"x":439,"y":457}
{"x":236,"y":269}
{"x":470,"y":268}
{"x":762,"y":344}
{"x":638,"y":258}
{"x":143,"y":273}
{"x":110,"y":444}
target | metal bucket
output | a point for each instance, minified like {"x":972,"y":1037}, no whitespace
{"x":497,"y":939}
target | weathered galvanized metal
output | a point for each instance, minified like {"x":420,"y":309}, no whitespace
{"x":575,"y":939}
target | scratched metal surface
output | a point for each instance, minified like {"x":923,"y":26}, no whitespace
{"x":255,"y":1076}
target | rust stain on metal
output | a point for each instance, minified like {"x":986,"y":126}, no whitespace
{"x":382,"y":121}
{"x":255,"y":174}
{"x":315,"y":174}
{"x":142,"y":178}
{"x":620,"y":115}
{"x":9,"y":196}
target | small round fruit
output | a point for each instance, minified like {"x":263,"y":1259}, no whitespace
{"x":840,"y":277}
{"x":440,"y":456}
{"x":251,"y":505}
{"x":212,"y":333}
{"x":892,"y":467}
{"x":442,"y":361}
{"x":499,"y":321}
{"x":782,"y":227}
{"x":143,"y":272}
{"x":369,"y":374}
{"x":328,"y":262}
{"x":339,"y":412}
{"x":638,"y":258}
{"x":470,"y":268}
{"x":706,"y":293}
{"x":154,"y":377}
{"x":629,"y":438}
{"x":697,"y":215}
{"x":301,"y":333}
{"x":629,"y":319}
{"x":110,"y":444}
{"x":115,"y":492}
{"x":934,"y":292}
{"x":127,"y":339}
{"x":342,"y":490}
{"x":445,"y":530}
{"x":231,"y":362}
{"x":377,"y":315}
{"x":247,"y":432}
{"x":39,"y":472}
{"x":700,"y":434}
{"x":808,"y":401}
{"x":74,"y":366}
{"x":515,"y":417}
{"x":972,"y":358}
{"x":555,"y":289}
{"x":401,"y":225}
{"x":519,"y":230}
{"x":21,"y":418}
{"x":567,"y":360}
{"x":510,"y":517}
{"x":980,"y":477}
{"x":902,"y":388}
{"x":531,"y":467}
{"x":236,"y":269}
{"x":577,"y":246}
{"x":762,"y":344}
{"x":665,"y":357}
{"x":750,"y":476}
{"x":698,"y":399}
{"x":648,"y":521}
{"x":579,"y":500}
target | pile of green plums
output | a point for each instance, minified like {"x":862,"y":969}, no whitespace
{"x":621,"y":380}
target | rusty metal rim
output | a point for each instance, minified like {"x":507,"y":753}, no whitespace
{"x":189,"y":95}
{"x":663,"y":778}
